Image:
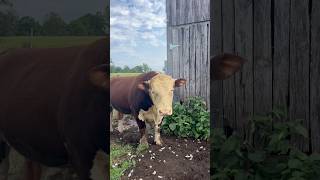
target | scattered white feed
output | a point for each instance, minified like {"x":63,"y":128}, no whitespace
{"x":189,"y":156}
{"x":150,"y":151}
{"x":178,"y":145}
{"x":177,"y":155}
{"x":130,"y":174}
{"x":201,"y":147}
{"x":164,"y":161}
{"x":160,"y":177}
{"x":162,"y":149}
{"x":140,"y":179}
{"x":173,"y":152}
{"x":153,"y":154}
{"x":169,"y":147}
{"x":150,"y":166}
{"x":154,"y":172}
{"x":129,"y":154}
{"x":185,"y":140}
{"x":142,"y":155}
{"x":197,"y":150}
{"x":139,"y":160}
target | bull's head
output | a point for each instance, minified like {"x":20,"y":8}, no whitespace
{"x":160,"y":88}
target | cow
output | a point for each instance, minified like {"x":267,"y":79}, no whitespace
{"x":53,"y":107}
{"x":148,"y":97}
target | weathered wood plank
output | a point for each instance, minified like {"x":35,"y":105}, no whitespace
{"x":204,"y":50}
{"x":229,"y":102}
{"x":186,"y":61}
{"x":315,"y":77}
{"x":199,"y":41}
{"x":188,"y":11}
{"x":192,"y":73}
{"x":262,"y":57}
{"x":207,"y":65}
{"x":244,"y":48}
{"x":169,"y":52}
{"x":175,"y":58}
{"x":299,"y":66}
{"x":216,"y":87}
{"x":281,"y":53}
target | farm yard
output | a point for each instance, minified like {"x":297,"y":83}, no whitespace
{"x":181,"y":157}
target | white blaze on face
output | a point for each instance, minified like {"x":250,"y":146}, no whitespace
{"x":99,"y":170}
{"x":161,"y":89}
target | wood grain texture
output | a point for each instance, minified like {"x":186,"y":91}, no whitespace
{"x":229,"y":103}
{"x":281,"y":56}
{"x":216,"y":87}
{"x":262,"y":57}
{"x":315,"y":77}
{"x":188,"y":11}
{"x":299,"y":66}
{"x":244,"y":48}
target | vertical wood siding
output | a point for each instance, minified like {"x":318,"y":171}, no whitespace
{"x":281,"y":41}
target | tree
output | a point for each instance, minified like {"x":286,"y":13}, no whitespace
{"x":27,"y":25}
{"x":8,"y":23}
{"x":54,"y":25}
{"x":145,"y":68}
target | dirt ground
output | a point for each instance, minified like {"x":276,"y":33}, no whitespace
{"x":179,"y":159}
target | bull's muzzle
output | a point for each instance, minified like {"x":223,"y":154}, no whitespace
{"x":165,"y":112}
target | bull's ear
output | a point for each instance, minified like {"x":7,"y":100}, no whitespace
{"x":225,"y":65}
{"x":179,"y":82}
{"x":144,"y":86}
{"x":98,"y":76}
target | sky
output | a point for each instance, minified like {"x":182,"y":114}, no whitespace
{"x":138,"y":33}
{"x":68,"y":9}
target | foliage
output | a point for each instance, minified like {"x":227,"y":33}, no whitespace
{"x":273,"y":158}
{"x":54,"y":25}
{"x":137,"y":69}
{"x":189,"y":119}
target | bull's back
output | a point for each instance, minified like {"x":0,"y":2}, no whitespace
{"x":32,"y":81}
{"x":120,"y":88}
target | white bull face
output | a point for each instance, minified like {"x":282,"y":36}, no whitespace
{"x":160,"y":89}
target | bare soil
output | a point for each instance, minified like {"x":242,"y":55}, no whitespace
{"x":178,"y":158}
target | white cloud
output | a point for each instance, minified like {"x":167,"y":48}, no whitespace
{"x":137,"y":21}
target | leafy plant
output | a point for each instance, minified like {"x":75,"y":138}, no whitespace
{"x":273,"y":157}
{"x":189,"y":119}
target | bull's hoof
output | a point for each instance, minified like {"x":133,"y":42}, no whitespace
{"x":159,"y":142}
{"x":144,"y":141}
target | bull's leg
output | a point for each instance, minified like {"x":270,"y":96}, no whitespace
{"x":4,"y":161}
{"x":111,"y":109}
{"x":142,"y":130}
{"x":111,"y":129}
{"x":157,"y":137}
{"x":120,"y":122}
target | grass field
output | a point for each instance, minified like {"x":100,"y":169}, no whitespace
{"x":124,"y":74}
{"x":45,"y":41}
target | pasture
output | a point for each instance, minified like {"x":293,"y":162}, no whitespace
{"x":44,"y":41}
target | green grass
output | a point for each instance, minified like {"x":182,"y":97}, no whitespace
{"x":45,"y":41}
{"x":124,"y":74}
{"x":119,"y":155}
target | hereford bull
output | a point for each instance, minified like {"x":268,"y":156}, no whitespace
{"x":53,"y":107}
{"x":148,"y":97}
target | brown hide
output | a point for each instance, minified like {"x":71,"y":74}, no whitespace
{"x":50,"y":112}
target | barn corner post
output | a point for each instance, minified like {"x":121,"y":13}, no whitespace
{"x":188,"y":46}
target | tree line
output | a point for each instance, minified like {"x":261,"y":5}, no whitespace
{"x":126,"y":69}
{"x":53,"y":25}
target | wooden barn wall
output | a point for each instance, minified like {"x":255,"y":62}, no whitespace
{"x":281,"y":41}
{"x":188,"y":36}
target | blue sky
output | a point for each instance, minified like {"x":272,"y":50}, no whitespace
{"x":138,"y":33}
